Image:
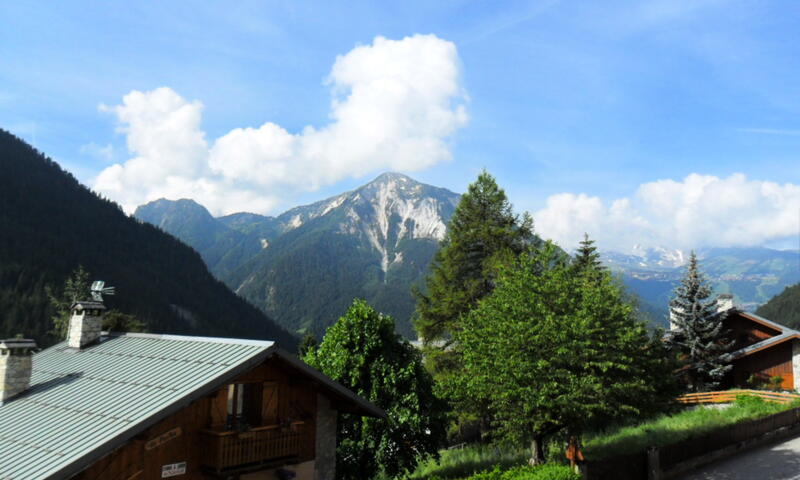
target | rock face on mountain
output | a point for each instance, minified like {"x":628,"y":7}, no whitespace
{"x":50,"y":224}
{"x":305,"y":266}
{"x":374,"y":243}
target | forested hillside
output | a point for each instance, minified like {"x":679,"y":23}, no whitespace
{"x":783,"y":308}
{"x":50,"y":224}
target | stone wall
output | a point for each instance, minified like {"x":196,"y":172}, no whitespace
{"x":83,"y":330}
{"x":15,"y":374}
{"x":325,"y":468}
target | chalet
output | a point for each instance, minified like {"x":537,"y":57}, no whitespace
{"x":761,"y":350}
{"x":142,"y":406}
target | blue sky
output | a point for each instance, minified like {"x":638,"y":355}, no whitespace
{"x":592,"y":115}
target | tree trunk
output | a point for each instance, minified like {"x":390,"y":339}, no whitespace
{"x":537,"y":450}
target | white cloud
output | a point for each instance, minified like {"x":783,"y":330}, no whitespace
{"x":699,"y":211}
{"x":395,"y":104}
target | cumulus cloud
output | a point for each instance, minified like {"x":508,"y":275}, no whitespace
{"x":395,"y":104}
{"x":699,"y":211}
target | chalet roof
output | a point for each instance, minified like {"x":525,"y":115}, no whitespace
{"x":785,"y":334}
{"x":83,"y":404}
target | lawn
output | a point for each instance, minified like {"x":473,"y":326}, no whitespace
{"x":670,"y":429}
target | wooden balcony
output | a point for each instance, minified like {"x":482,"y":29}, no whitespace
{"x":273,"y":444}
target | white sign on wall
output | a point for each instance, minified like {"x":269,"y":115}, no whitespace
{"x":173,"y":470}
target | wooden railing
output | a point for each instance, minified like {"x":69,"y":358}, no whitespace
{"x":728,"y":396}
{"x":230,"y":449}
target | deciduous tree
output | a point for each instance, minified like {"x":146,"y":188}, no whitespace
{"x":550,"y":350}
{"x":363,"y":352}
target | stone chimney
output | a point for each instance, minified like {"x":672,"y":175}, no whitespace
{"x":724,"y":302}
{"x":85,"y":325}
{"x":15,"y":366}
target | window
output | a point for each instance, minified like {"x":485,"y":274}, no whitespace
{"x":244,"y":406}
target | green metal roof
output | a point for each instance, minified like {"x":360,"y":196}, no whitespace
{"x":83,"y":404}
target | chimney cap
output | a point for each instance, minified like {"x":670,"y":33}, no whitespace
{"x":11,"y":343}
{"x":725,"y":296}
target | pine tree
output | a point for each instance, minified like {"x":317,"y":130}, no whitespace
{"x":482,"y":233}
{"x":697,"y":331}
{"x":586,"y":257}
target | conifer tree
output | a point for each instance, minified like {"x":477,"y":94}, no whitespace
{"x":76,"y":287}
{"x":697,"y":332}
{"x":482,"y":233}
{"x":586,"y":257}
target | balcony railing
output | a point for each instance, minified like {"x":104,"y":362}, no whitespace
{"x":229,"y":450}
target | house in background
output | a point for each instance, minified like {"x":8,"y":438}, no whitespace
{"x":762,"y":349}
{"x":142,"y":407}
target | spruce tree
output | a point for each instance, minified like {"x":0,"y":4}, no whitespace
{"x":586,"y":257}
{"x":697,"y":332}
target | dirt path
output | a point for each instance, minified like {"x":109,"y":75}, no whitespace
{"x":775,"y":462}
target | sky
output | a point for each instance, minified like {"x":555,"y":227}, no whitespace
{"x":654,"y":123}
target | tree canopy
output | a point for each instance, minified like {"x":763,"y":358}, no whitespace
{"x":363,"y":352}
{"x":697,"y":333}
{"x":482,"y":231}
{"x":550,"y":350}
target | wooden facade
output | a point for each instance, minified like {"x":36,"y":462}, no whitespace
{"x":758,"y":360}
{"x":202,"y":441}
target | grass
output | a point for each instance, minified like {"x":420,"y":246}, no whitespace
{"x":462,"y":462}
{"x":670,"y":429}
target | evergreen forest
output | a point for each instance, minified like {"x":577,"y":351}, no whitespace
{"x":50,"y":225}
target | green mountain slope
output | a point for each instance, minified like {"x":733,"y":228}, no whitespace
{"x":50,"y":224}
{"x":783,"y":308}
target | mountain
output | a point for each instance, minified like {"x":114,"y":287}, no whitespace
{"x":50,"y":224}
{"x":224,"y":243}
{"x":305,"y":266}
{"x":753,"y":274}
{"x":374,"y":242}
{"x":783,"y":308}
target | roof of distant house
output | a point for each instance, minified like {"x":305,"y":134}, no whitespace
{"x":785,"y":334}
{"x":107,"y":393}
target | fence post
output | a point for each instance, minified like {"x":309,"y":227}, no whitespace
{"x":653,"y":464}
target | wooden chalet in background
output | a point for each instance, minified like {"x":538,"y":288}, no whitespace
{"x":762,"y":349}
{"x":142,"y":407}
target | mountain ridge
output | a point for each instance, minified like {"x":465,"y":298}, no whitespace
{"x":394,"y":234}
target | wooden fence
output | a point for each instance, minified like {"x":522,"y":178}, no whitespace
{"x":728,"y":396}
